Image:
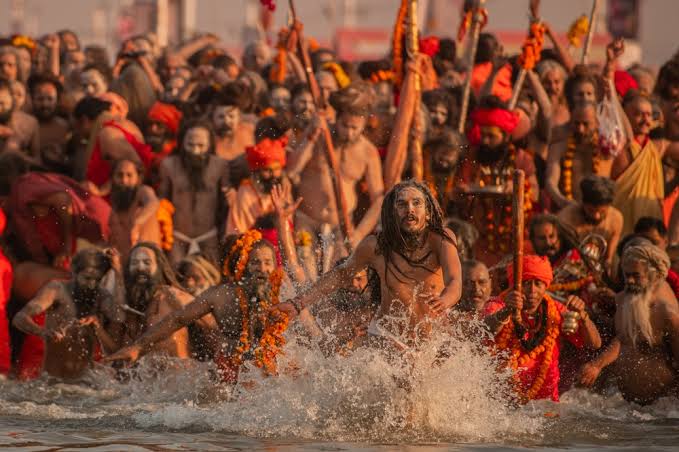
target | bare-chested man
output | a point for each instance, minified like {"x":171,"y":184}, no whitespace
{"x":416,"y":260}
{"x":569,"y":161}
{"x":476,"y":287}
{"x":250,"y":284}
{"x":358,"y":159}
{"x":645,"y":350}
{"x":53,"y":130}
{"x":233,"y":134}
{"x":595,"y":214}
{"x":194,"y":180}
{"x":152,"y":292}
{"x":18,"y":130}
{"x":70,"y":307}
{"x":302,"y":108}
{"x":133,"y":208}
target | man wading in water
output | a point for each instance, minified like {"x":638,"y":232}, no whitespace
{"x":418,"y":265}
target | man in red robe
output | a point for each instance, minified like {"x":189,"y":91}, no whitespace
{"x":529,"y":324}
{"x":49,"y":212}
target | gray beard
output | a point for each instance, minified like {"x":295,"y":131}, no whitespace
{"x":635,"y":315}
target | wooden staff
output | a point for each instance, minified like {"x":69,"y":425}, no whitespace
{"x":413,"y":49}
{"x":517,"y":232}
{"x":346,"y":225}
{"x":590,"y":32}
{"x":477,"y":18}
{"x":517,"y":88}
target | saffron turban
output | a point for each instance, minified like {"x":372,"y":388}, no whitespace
{"x":506,"y":120}
{"x":265,"y":153}
{"x":166,"y":114}
{"x":534,"y":267}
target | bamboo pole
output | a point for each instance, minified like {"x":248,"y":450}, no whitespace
{"x":519,"y":179}
{"x":476,"y":31}
{"x":516,"y":90}
{"x":346,"y":225}
{"x":590,"y":32}
{"x":416,"y":163}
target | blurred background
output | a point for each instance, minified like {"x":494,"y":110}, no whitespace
{"x":356,"y":29}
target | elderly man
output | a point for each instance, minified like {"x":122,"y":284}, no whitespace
{"x":531,"y":327}
{"x":196,"y":274}
{"x":476,"y":287}
{"x":645,"y":350}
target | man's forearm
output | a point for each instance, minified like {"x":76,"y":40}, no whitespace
{"x":497,"y":320}
{"x":590,"y":334}
{"x":369,"y":220}
{"x":609,"y":355}
{"x":26,"y":324}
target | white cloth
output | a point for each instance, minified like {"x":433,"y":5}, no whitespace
{"x":194,"y":243}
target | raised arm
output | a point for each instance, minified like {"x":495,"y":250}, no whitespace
{"x":373,"y":177}
{"x":177,"y":319}
{"x":23,"y":320}
{"x":590,"y":371}
{"x":149,"y":207}
{"x":281,"y":196}
{"x":553,"y":174}
{"x":561,"y":51}
{"x":359,"y":259}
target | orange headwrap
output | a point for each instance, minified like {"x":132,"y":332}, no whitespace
{"x":534,"y":267}
{"x":166,"y":114}
{"x":266,"y":152}
{"x":119,"y":105}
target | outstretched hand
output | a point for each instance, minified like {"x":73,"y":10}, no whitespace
{"x":288,"y":308}
{"x":279,"y":197}
{"x":615,"y":49}
{"x":129,"y":354}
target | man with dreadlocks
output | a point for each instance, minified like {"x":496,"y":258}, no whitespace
{"x":416,"y":259}
{"x":251,"y":285}
{"x":77,"y":314}
{"x":153,"y":292}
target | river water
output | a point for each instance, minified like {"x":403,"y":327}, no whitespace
{"x":361,"y":402}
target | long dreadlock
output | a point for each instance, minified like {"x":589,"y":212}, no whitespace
{"x":391,"y":239}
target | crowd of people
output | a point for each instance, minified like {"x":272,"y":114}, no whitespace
{"x":184,"y":203}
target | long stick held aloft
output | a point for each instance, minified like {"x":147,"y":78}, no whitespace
{"x":413,"y":50}
{"x":345,"y":223}
{"x":590,"y":32}
{"x":477,"y":18}
{"x":518,"y":226}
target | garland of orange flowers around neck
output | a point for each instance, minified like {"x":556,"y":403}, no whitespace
{"x":275,"y":323}
{"x":567,"y":165}
{"x":519,"y":357}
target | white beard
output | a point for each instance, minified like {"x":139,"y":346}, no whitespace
{"x":635,"y":317}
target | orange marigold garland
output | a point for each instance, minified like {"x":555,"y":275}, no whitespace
{"x":571,"y":286}
{"x":164,"y":214}
{"x":466,"y":21}
{"x":336,"y":70}
{"x":566,"y":180}
{"x":519,"y":357}
{"x":532,"y":46}
{"x":243,"y":246}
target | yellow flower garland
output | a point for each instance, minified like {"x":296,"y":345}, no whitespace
{"x":164,"y":214}
{"x":578,"y":30}
{"x":243,"y":246}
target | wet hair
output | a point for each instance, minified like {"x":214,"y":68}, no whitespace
{"x":195,"y":124}
{"x":391,"y":239}
{"x":597,"y":190}
{"x":227,"y":247}
{"x":90,"y":107}
{"x":582,"y":74}
{"x":44,"y":78}
{"x":356,"y":99}
{"x":487,"y":49}
{"x":272,"y":127}
{"x":648,"y":224}
{"x":167,"y":274}
{"x":667,"y":78}
{"x":88,"y":258}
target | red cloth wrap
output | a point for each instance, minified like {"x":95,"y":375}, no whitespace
{"x":506,"y":120}
{"x":624,"y":82}
{"x":534,"y":267}
{"x":90,"y":214}
{"x":166,"y":114}
{"x":266,"y":152}
{"x":430,"y":46}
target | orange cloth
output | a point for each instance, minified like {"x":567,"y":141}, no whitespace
{"x":166,"y":114}
{"x":534,"y":267}
{"x":502,"y":87}
{"x":119,"y":106}
{"x":266,"y":152}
